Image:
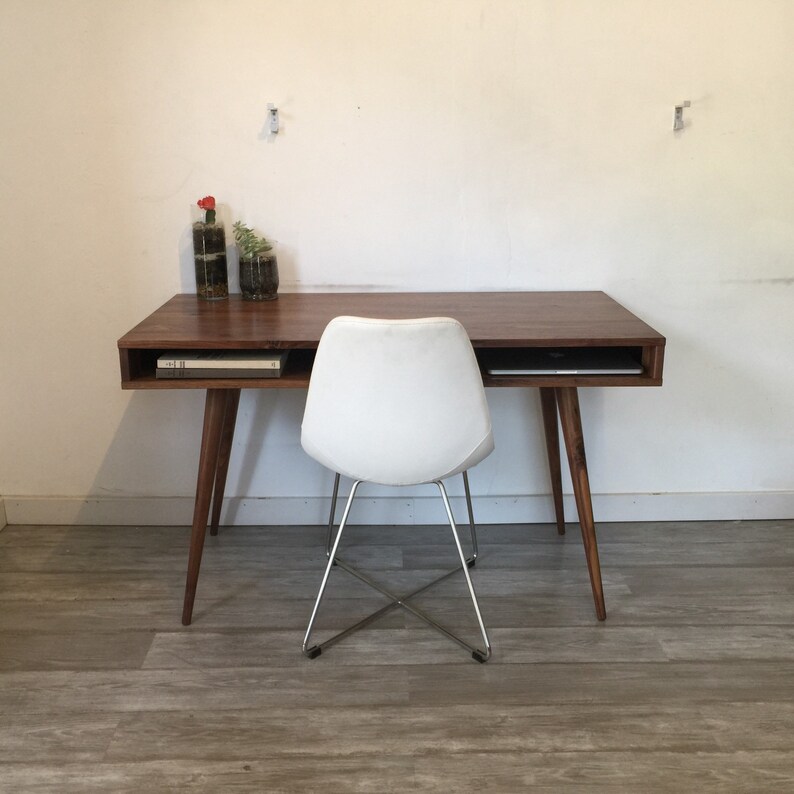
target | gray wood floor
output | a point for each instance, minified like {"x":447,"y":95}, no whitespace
{"x":688,"y":686}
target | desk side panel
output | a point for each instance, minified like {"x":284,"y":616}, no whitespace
{"x":653,"y":362}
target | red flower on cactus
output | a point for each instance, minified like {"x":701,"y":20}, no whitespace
{"x":208,"y":205}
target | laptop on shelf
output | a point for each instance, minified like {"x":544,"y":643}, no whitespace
{"x":561,"y":361}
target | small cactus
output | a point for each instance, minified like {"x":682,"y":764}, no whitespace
{"x":208,"y":205}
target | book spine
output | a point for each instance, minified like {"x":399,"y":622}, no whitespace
{"x":214,"y":372}
{"x":176,"y":363}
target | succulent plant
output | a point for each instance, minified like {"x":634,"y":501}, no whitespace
{"x":249,"y":242}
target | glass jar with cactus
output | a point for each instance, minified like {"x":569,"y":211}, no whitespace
{"x":209,"y":253}
{"x":258,"y":265}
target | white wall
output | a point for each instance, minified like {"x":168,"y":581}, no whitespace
{"x":426,"y":145}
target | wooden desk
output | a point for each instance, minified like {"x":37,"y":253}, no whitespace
{"x":295,"y":322}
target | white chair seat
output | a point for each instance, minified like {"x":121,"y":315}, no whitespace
{"x":396,"y":402}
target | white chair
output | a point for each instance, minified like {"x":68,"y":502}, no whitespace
{"x":396,"y":402}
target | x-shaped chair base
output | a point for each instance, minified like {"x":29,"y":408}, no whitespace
{"x":479,"y":655}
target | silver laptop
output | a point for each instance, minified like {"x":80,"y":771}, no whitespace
{"x":561,"y":361}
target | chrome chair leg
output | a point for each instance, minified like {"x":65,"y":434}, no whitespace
{"x":332,"y":516}
{"x":397,"y":601}
{"x":472,"y":528}
{"x":478,"y":655}
{"x":315,"y":650}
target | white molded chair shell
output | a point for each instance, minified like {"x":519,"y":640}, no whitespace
{"x":396,"y":402}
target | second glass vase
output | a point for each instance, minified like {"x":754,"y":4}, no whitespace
{"x":259,"y":277}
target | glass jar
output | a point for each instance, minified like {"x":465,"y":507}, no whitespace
{"x":259,"y":277}
{"x":209,"y":253}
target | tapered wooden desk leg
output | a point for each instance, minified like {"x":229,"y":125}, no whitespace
{"x":548,"y":402}
{"x":224,"y":454}
{"x":568,"y":403}
{"x":214,"y":410}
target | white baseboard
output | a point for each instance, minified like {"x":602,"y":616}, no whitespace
{"x":178,"y":511}
{"x":3,"y":521}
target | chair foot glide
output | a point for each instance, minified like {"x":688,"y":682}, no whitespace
{"x":313,"y":652}
{"x":479,"y":657}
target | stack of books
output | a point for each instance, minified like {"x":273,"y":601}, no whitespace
{"x":221,"y":364}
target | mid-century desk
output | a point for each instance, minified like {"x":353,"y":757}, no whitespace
{"x":294,"y":322}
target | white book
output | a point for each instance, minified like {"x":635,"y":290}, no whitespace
{"x":222,"y":359}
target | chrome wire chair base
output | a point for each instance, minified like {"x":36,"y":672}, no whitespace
{"x":313,"y":651}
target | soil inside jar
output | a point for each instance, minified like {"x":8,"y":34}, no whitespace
{"x":209,"y":252}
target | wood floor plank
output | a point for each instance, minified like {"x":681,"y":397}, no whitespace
{"x":726,"y":643}
{"x":428,"y":685}
{"x":226,"y":559}
{"x":143,"y":690}
{"x":691,"y":533}
{"x":709,"y":608}
{"x":158,"y":538}
{"x":701,"y":581}
{"x":92,"y":585}
{"x":247,"y":609}
{"x":421,"y":731}
{"x":614,"y":683}
{"x":154,"y":538}
{"x":44,"y":586}
{"x":241,"y":610}
{"x":416,"y":731}
{"x":55,"y":738}
{"x":763,"y":771}
{"x":255,"y":774}
{"x":759,"y":771}
{"x":355,"y":731}
{"x":625,"y":609}
{"x":418,"y":644}
{"x":569,"y":553}
{"x":646,"y":533}
{"x":84,"y":650}
{"x":501,"y":772}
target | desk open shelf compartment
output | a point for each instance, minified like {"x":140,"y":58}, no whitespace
{"x":138,"y":371}
{"x":649,"y":358}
